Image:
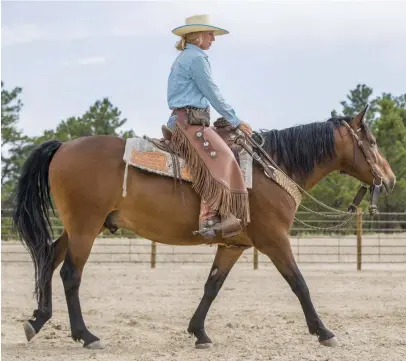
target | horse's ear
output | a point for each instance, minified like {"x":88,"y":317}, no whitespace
{"x":357,"y":120}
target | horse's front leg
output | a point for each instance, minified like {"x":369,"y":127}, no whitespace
{"x":278,"y":249}
{"x":223,"y":262}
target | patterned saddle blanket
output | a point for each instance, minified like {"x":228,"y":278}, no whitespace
{"x":143,"y":154}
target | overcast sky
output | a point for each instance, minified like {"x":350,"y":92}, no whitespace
{"x":282,"y":64}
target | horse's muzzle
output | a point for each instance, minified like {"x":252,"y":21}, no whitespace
{"x":388,"y":185}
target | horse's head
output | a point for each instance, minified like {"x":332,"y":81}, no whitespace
{"x":360,"y":155}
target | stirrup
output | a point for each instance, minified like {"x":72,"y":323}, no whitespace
{"x":230,"y":226}
{"x":209,"y":226}
{"x":206,"y":233}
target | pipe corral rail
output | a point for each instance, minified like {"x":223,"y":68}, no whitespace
{"x":365,"y":240}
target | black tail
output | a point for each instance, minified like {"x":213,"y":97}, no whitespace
{"x":31,"y":212}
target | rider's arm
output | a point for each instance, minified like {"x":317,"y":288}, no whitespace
{"x":200,"y":72}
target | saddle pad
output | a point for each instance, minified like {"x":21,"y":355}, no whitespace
{"x":142,"y":154}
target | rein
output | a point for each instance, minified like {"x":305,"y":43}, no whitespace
{"x":269,"y":166}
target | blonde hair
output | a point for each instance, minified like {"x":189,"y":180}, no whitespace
{"x":191,"y":38}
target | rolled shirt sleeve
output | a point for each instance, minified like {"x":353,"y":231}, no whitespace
{"x":200,"y":72}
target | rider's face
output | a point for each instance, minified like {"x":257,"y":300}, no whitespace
{"x":207,"y":39}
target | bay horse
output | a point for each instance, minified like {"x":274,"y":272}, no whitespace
{"x":84,"y":177}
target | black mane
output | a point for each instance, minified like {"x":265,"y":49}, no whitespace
{"x":299,"y":148}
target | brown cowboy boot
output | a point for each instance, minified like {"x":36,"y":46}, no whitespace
{"x":210,"y":222}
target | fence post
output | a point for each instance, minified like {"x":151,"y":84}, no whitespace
{"x":359,"y":238}
{"x":255,"y":258}
{"x":153,"y":254}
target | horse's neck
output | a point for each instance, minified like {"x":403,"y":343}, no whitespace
{"x":320,"y":171}
{"x":324,"y":168}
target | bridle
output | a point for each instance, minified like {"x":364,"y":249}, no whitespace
{"x":366,"y":155}
{"x":375,"y":188}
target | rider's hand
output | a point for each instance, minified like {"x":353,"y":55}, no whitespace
{"x":245,"y":127}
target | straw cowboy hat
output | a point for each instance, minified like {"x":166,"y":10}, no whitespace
{"x":198,"y":23}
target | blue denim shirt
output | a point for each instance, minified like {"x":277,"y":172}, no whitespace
{"x":190,"y":83}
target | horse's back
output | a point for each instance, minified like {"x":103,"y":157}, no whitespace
{"x":107,"y":144}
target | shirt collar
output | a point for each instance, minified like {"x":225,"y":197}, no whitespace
{"x":196,"y":48}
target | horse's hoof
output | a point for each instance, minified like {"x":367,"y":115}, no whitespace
{"x":331,"y":342}
{"x":203,"y":346}
{"x":96,"y":345}
{"x":29,"y":331}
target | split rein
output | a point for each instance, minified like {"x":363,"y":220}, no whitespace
{"x":269,"y":166}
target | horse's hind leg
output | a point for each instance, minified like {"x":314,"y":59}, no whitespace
{"x":43,"y":314}
{"x":223,"y":262}
{"x":280,"y":252}
{"x":79,"y":247}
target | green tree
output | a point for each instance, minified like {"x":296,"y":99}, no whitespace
{"x":390,"y":132}
{"x":10,"y":111}
{"x":356,"y":101}
{"x":12,"y":139}
{"x":102,"y":118}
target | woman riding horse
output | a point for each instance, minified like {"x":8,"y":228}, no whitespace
{"x":190,"y":91}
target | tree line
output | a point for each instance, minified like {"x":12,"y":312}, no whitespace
{"x":386,"y":116}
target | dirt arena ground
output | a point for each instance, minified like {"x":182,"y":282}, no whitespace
{"x":142,"y":314}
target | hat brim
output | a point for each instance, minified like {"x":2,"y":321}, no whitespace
{"x":191,"y":28}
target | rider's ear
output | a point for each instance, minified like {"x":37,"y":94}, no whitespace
{"x":357,"y":120}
